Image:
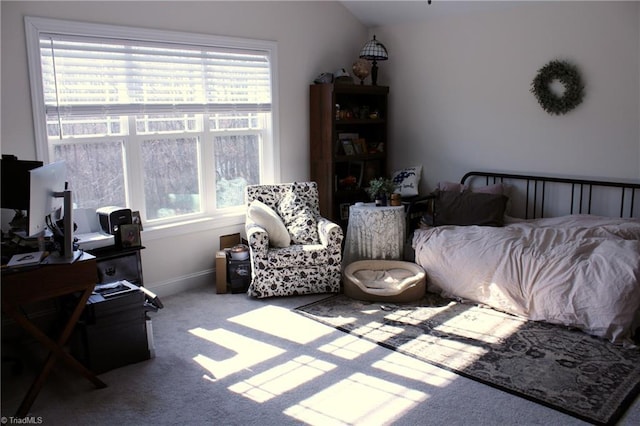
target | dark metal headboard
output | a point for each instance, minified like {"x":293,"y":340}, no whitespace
{"x":583,"y":192}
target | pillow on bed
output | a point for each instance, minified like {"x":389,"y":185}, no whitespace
{"x":497,"y":188}
{"x":469,"y":208}
{"x":407,"y":180}
{"x":451,"y":186}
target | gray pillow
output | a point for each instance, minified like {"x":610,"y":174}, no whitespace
{"x":469,"y":208}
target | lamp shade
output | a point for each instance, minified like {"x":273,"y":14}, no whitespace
{"x":373,"y":50}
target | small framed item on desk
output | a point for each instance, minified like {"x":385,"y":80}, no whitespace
{"x":25,"y":259}
{"x":130,"y":236}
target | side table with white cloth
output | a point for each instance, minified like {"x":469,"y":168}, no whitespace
{"x":374,"y":233}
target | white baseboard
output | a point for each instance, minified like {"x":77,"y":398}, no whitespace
{"x":183,"y":283}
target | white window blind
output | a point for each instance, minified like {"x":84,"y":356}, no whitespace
{"x":172,"y":124}
{"x":101,"y":76}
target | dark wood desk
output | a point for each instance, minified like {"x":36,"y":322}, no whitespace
{"x":23,"y":287}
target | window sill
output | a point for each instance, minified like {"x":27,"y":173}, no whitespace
{"x":174,"y":229}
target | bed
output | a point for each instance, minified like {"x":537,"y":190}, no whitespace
{"x":560,"y":250}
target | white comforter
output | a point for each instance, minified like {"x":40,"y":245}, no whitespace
{"x":581,"y":271}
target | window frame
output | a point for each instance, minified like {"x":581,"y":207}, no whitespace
{"x":210,"y":219}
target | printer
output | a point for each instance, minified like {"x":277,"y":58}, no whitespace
{"x":112,"y":217}
{"x":89,"y":235}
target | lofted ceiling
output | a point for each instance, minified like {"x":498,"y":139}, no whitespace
{"x":373,"y":13}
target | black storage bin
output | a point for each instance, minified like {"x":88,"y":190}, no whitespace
{"x":112,"y":332}
{"x":239,"y":275}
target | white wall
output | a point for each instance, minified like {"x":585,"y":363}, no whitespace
{"x":459,"y":95}
{"x":460,"y":91}
{"x":312,"y":37}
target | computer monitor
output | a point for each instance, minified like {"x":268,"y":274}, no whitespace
{"x":50,"y":200}
{"x":15,"y":182}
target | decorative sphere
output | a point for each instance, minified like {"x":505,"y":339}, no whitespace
{"x":361,"y":68}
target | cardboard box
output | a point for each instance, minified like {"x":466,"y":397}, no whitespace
{"x":226,"y":242}
{"x":221,"y":272}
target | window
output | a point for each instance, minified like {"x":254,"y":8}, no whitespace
{"x":174,"y":125}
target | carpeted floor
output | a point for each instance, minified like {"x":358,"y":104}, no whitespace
{"x":230,"y":359}
{"x":564,"y":369}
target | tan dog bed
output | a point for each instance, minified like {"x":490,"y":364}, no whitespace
{"x":384,"y":280}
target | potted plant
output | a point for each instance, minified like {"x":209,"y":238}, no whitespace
{"x":379,"y":189}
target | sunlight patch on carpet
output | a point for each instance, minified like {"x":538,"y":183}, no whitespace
{"x":376,"y":329}
{"x":358,"y":399}
{"x":472,"y":324}
{"x":412,"y":368}
{"x":561,"y":368}
{"x":348,"y":347}
{"x":492,"y":329}
{"x":246,"y":352}
{"x":283,"y":378}
{"x":279,"y":322}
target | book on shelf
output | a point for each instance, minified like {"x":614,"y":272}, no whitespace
{"x":348,"y":143}
{"x":348,"y":147}
{"x":350,"y":136}
{"x":360,"y":146}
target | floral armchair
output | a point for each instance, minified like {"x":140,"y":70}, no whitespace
{"x":293,"y":249}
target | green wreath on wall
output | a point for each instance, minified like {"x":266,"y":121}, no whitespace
{"x":568,"y":75}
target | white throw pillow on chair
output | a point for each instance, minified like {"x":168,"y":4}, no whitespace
{"x":263,"y":215}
